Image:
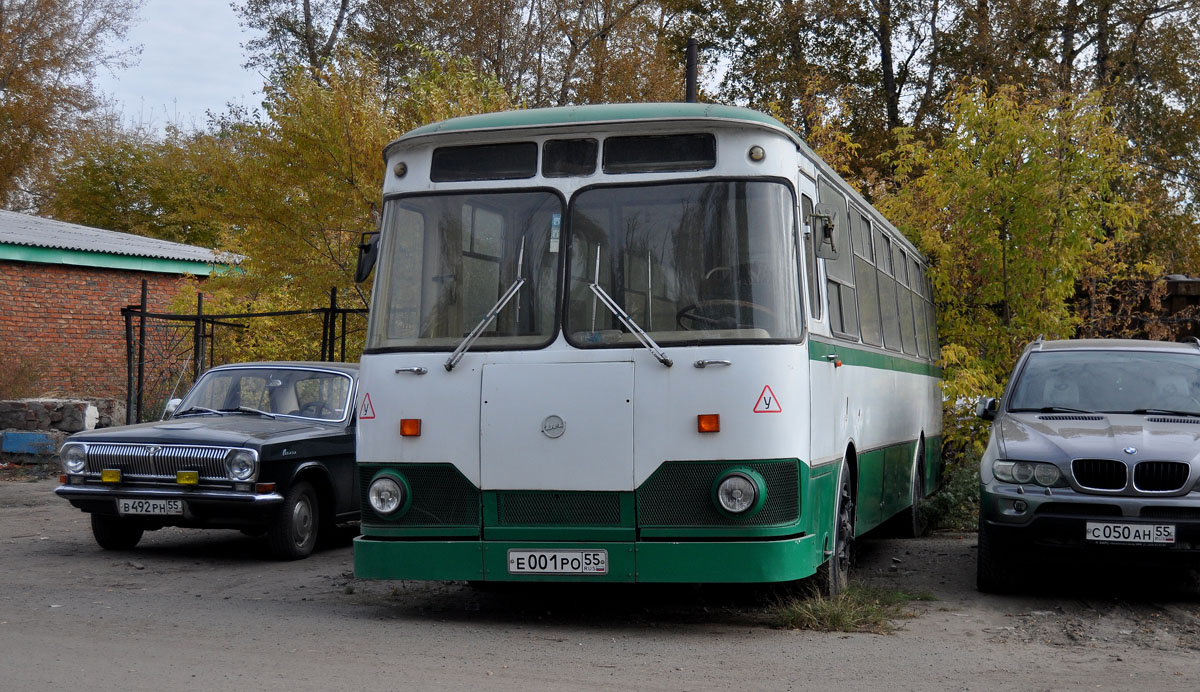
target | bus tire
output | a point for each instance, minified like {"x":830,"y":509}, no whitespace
{"x":833,"y":575}
{"x":993,"y":566}
{"x":913,"y":521}
{"x":116,"y":533}
{"x":293,"y":533}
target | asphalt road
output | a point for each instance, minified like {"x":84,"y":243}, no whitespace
{"x":200,"y":610}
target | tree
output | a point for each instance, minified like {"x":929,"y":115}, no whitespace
{"x":1019,"y":200}
{"x":49,"y":51}
{"x":295,"y":32}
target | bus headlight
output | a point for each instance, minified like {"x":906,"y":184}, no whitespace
{"x":241,"y":465}
{"x":387,"y":494}
{"x":740,"y":492}
{"x":74,"y":457}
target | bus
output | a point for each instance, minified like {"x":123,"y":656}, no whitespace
{"x":636,"y":343}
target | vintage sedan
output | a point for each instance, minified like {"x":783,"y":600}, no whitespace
{"x":1095,"y":450}
{"x":267,"y":448}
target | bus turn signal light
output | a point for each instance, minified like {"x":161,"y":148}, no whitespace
{"x":410,"y":427}
{"x":708,"y":422}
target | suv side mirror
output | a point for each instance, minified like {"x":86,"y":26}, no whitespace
{"x":987,"y":408}
{"x":368,"y":252}
{"x":825,"y":223}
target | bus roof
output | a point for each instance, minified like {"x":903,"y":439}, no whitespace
{"x":599,"y":114}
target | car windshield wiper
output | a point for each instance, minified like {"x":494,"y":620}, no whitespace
{"x":633,"y":327}
{"x":1165,"y":411}
{"x":1050,"y":409}
{"x":247,"y":409}
{"x":194,"y":410}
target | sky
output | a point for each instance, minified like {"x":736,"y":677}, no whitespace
{"x":191,"y":62}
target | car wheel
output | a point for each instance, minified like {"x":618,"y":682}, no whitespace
{"x":913,"y":522}
{"x":833,"y":575}
{"x":993,"y":566}
{"x":116,"y":533}
{"x":293,"y":533}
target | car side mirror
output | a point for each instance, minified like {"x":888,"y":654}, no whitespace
{"x":825,"y":226}
{"x":368,"y":252}
{"x":172,"y":407}
{"x":987,"y":408}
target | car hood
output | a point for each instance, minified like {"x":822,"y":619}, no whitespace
{"x":1061,"y":438}
{"x":233,"y":430}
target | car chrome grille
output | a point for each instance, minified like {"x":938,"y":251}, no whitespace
{"x":158,"y":461}
{"x":1160,"y":476}
{"x":1100,"y":474}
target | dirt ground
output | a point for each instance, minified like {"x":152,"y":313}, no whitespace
{"x":208,"y":609}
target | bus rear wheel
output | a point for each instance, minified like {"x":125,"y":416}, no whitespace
{"x":914,"y":522}
{"x":833,"y":576}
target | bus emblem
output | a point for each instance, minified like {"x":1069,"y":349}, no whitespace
{"x":553,"y":427}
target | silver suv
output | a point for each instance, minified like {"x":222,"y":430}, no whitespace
{"x":1095,"y":447}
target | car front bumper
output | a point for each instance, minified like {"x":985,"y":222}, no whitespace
{"x":202,"y":507}
{"x":1031,"y":516}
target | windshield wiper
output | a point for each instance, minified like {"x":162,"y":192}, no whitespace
{"x":247,"y":409}
{"x":193,"y":410}
{"x":491,"y":314}
{"x":1050,"y":409}
{"x":633,"y":327}
{"x":1165,"y":411}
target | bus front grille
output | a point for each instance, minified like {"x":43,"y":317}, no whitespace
{"x":543,"y":508}
{"x":679,"y":494}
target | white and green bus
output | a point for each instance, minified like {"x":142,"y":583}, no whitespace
{"x":636,"y":343}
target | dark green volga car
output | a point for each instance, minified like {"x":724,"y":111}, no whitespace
{"x":1095,"y":448}
{"x":267,"y":448}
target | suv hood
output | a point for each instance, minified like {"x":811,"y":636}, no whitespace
{"x":233,"y":430}
{"x":1063,"y":437}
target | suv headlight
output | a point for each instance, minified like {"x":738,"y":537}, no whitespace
{"x":1027,"y":473}
{"x":74,"y":457}
{"x":241,"y":464}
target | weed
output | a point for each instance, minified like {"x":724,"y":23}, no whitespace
{"x":860,"y":608}
{"x":956,"y":505}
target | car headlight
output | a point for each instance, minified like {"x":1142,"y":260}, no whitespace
{"x":1028,"y":472}
{"x":740,"y":492}
{"x":241,"y":464}
{"x":387,"y":494}
{"x":74,"y":457}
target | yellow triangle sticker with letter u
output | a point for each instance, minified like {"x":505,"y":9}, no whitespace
{"x":767,"y":403}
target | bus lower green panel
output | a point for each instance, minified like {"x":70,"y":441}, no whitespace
{"x":685,"y":562}
{"x":756,"y":562}
{"x":433,"y":560}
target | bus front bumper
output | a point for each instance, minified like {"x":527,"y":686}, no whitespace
{"x":756,"y":561}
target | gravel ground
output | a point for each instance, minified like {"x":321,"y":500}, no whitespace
{"x":209,"y":609}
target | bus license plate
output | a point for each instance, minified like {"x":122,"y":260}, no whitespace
{"x":1104,"y":532}
{"x":558,"y":562}
{"x":127,"y":505}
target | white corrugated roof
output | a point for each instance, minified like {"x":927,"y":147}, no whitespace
{"x":35,"y":231}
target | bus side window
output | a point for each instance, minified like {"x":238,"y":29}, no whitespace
{"x":843,"y":305}
{"x":810,"y":257}
{"x":864,"y":278}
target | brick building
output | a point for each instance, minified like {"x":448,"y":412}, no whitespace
{"x":62,"y":287}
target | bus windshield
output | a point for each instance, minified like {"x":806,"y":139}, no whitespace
{"x":449,"y":259}
{"x":697,"y":261}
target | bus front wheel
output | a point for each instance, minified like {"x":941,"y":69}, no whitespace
{"x":833,"y":575}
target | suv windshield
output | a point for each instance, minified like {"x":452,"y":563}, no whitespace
{"x":449,"y":259}
{"x":711,"y":260}
{"x":1109,"y":382}
{"x":282,"y":391}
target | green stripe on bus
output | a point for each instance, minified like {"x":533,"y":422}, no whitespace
{"x":854,"y":354}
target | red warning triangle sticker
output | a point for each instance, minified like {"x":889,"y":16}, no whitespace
{"x":368,"y":411}
{"x":767,"y":403}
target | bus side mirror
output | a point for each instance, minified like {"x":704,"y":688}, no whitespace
{"x":825,"y":223}
{"x":368,"y":252}
{"x":987,"y":408}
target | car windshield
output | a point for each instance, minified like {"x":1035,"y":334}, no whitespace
{"x":1109,"y":381}
{"x":317,"y":394}
{"x":450,"y":258}
{"x":700,"y":261}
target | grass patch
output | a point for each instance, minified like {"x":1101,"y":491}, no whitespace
{"x":860,"y":608}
